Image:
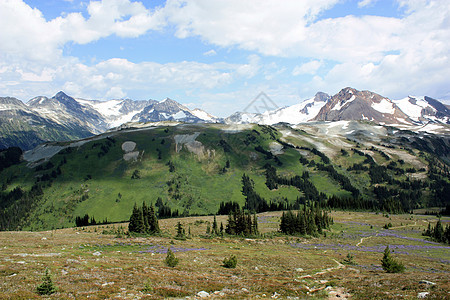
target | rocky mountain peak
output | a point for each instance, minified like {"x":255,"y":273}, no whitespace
{"x":321,"y":97}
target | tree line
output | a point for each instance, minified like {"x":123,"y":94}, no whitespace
{"x":308,"y":221}
{"x":143,"y":220}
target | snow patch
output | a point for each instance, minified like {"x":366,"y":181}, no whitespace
{"x":413,"y":110}
{"x":276,"y":148}
{"x":202,"y":114}
{"x":340,"y":104}
{"x":179,"y":115}
{"x":385,"y":106}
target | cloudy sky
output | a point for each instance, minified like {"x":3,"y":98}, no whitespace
{"x":218,"y":55}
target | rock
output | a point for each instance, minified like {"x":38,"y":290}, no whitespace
{"x":427,"y":282}
{"x":422,"y":295}
{"x":275,"y":295}
{"x":203,"y":294}
{"x":299,"y":270}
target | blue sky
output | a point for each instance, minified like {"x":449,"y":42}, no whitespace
{"x":218,"y":55}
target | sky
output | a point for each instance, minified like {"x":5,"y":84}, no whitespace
{"x":218,"y":55}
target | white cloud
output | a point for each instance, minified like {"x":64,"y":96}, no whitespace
{"x":211,"y":52}
{"x":115,"y":93}
{"x":392,"y":56}
{"x":307,"y":68}
{"x":264,"y":26}
{"x":30,"y":36}
{"x":366,"y":3}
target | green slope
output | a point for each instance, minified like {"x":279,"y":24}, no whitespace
{"x":94,"y":178}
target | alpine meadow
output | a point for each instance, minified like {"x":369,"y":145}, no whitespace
{"x":175,"y":149}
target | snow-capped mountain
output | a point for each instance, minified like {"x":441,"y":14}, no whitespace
{"x":351,"y":104}
{"x":424,"y":109}
{"x":62,"y":117}
{"x":170,"y":110}
{"x":65,"y":110}
{"x":295,"y":114}
{"x":24,"y":127}
{"x":117,"y":112}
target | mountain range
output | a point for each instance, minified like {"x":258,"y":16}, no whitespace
{"x":62,"y":117}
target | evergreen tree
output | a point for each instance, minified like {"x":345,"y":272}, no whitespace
{"x":181,"y":234}
{"x":136,"y":220}
{"x":309,"y":220}
{"x":255,"y":224}
{"x":171,"y":260}
{"x":143,"y":220}
{"x":152,"y":221}
{"x":145,"y":213}
{"x":215,"y":229}
{"x":241,"y":223}
{"x":389,"y":264}
{"x":46,"y":287}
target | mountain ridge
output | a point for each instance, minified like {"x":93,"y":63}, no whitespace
{"x":80,"y":118}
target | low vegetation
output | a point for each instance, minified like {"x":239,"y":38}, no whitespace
{"x":94,"y":262}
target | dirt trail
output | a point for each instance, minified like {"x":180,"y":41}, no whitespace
{"x":333,"y":292}
{"x":327,"y":270}
{"x":364,"y":238}
{"x":415,"y":224}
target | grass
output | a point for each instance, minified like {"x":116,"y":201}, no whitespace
{"x":90,"y":182}
{"x":86,"y":263}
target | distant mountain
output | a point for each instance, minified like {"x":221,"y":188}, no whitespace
{"x":117,"y":112}
{"x":424,"y":109}
{"x":65,"y":110}
{"x":170,"y":110}
{"x":62,"y":117}
{"x":24,"y":127}
{"x":351,"y":104}
{"x":295,"y":114}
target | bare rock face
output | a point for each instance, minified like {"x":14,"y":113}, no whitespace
{"x":351,"y":104}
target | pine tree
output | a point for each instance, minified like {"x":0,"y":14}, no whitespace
{"x":438,"y":233}
{"x":145,"y":213}
{"x":215,"y":229}
{"x":389,"y":264}
{"x":255,"y":224}
{"x":153,"y":221}
{"x":46,"y":287}
{"x":240,"y":223}
{"x":171,"y":260}
{"x":136,"y":220}
{"x":180,"y":231}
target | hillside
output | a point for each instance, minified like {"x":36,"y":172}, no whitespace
{"x":195,"y":167}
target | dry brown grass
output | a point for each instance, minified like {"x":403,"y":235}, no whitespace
{"x":266,"y":265}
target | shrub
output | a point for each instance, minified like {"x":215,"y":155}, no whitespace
{"x":230,"y":262}
{"x":171,"y":260}
{"x":389,"y":264}
{"x":348,"y":260}
{"x":46,"y":287}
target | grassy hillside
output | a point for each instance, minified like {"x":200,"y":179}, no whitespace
{"x":193,"y":168}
